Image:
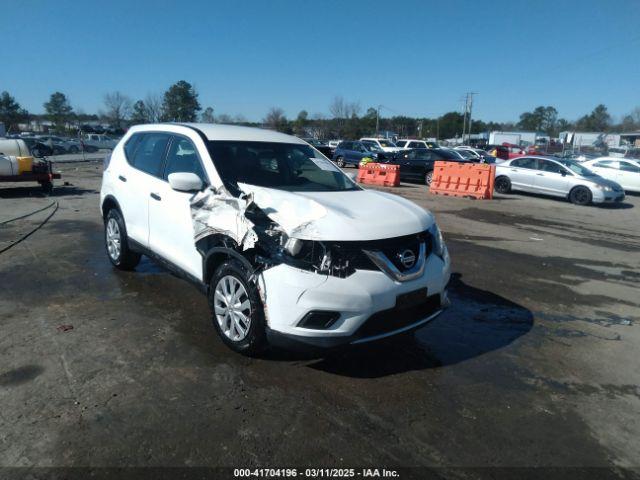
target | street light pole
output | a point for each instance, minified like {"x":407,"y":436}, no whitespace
{"x":378,"y":121}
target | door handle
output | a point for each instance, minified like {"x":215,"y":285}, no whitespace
{"x":121,"y":178}
{"x":540,"y":174}
{"x":155,"y":196}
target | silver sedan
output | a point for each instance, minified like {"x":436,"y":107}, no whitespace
{"x":556,"y":177}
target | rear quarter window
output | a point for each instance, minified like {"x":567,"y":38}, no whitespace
{"x":130,"y":146}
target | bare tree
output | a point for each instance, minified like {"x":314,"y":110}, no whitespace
{"x":239,"y":118}
{"x":337,"y":107}
{"x":153,"y":104}
{"x":118,"y":108}
{"x":224,"y":118}
{"x":275,"y":119}
{"x":207,"y":116}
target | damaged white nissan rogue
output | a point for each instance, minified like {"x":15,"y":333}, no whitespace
{"x":289,"y":250}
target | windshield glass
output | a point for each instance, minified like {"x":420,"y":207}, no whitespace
{"x":386,"y":143}
{"x":577,"y":168}
{"x":284,"y":166}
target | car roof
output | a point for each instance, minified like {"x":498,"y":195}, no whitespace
{"x":216,"y":131}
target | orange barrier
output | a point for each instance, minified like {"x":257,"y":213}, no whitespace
{"x":456,"y":179}
{"x":382,"y":174}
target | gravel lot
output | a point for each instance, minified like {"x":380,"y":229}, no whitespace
{"x":537,"y":363}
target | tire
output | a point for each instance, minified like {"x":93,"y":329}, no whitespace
{"x":502,"y":185}
{"x":428,"y":178}
{"x":580,"y":196}
{"x":47,"y":188}
{"x":116,"y":242}
{"x":232,"y":326}
{"x":340,"y":162}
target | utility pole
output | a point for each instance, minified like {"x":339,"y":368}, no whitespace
{"x":468,"y":107}
{"x":471,"y":94}
{"x":378,"y":121}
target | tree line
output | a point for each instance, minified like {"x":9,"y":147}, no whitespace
{"x":345,"y":119}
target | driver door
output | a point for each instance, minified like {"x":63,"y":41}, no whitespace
{"x":171,"y":233}
{"x":551,"y":178}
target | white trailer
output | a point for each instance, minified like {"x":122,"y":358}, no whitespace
{"x":515,"y":138}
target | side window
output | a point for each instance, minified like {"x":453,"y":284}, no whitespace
{"x":551,"y":167}
{"x":629,"y":167}
{"x":606,"y":164}
{"x":183,"y":157}
{"x":401,"y":143}
{"x":130,"y":146}
{"x":149,"y":153}
{"x":524,"y":162}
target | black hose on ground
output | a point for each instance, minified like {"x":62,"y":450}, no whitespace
{"x":24,"y":237}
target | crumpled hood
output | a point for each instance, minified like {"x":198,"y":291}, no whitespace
{"x":345,"y":216}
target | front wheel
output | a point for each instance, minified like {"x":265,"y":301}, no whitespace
{"x":503,"y":185}
{"x":116,"y":243}
{"x":580,"y":196}
{"x":340,"y":162}
{"x":237,"y":310}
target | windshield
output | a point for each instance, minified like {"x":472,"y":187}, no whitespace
{"x":386,"y":143}
{"x":284,"y":166}
{"x":577,"y":168}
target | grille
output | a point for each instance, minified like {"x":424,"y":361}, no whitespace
{"x":391,"y":247}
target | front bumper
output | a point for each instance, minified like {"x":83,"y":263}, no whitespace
{"x":601,"y":196}
{"x":366,"y":302}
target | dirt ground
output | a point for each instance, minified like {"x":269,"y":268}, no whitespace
{"x":536,"y":363}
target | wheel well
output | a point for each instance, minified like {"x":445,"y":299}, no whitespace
{"x":216,"y":249}
{"x":576,"y":187}
{"x":109,"y":204}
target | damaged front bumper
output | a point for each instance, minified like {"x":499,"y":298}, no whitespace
{"x":370,"y":305}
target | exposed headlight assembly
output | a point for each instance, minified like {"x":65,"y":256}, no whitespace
{"x":605,"y":188}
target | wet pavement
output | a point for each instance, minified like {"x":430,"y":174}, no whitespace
{"x":536,"y":364}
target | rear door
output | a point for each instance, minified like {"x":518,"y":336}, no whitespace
{"x":421,"y":163}
{"x":522,"y":173}
{"x":551,"y":178}
{"x":136,"y":178}
{"x":171,"y":233}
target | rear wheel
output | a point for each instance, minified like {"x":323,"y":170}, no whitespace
{"x":503,"y":185}
{"x":340,"y":162}
{"x":428,"y":178}
{"x":237,"y":310}
{"x":116,"y":242}
{"x":580,"y":196}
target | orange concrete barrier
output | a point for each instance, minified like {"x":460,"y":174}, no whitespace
{"x":382,"y":174}
{"x":474,"y":180}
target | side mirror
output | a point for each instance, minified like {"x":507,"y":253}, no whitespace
{"x":563,"y":173}
{"x":185,"y":182}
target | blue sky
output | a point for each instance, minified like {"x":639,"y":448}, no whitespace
{"x":415,"y":57}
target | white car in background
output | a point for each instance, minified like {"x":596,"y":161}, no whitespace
{"x":625,"y":171}
{"x":558,"y":178}
{"x":384,"y":144}
{"x":407,"y":143}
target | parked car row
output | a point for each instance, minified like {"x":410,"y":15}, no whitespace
{"x":46,"y":145}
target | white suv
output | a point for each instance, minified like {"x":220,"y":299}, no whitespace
{"x":289,"y":250}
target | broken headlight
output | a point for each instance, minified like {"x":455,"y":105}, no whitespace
{"x":320,"y":257}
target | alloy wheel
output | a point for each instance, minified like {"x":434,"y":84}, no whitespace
{"x":232,"y":308}
{"x":114,"y":239}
